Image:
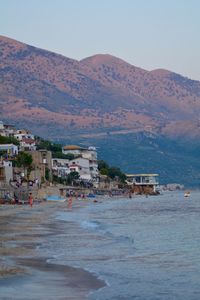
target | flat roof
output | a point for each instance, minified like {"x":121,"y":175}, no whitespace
{"x":72,"y":147}
{"x":141,"y":175}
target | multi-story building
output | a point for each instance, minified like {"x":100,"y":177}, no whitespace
{"x":84,"y":162}
{"x":42,"y":162}
{"x":23,"y":134}
{"x":7,"y":130}
{"x":27,"y":144}
{"x":60,"y":167}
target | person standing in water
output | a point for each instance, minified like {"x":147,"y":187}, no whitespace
{"x":31,"y":199}
{"x":70,"y":201}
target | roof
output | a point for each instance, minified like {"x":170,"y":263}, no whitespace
{"x":141,"y":175}
{"x":72,"y":147}
{"x":22,"y":131}
{"x":6,"y":146}
{"x":74,"y":165}
{"x":28,"y":141}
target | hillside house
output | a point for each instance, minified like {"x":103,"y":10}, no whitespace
{"x":60,"y":167}
{"x":72,"y":149}
{"x":89,"y":153}
{"x":27,"y":144}
{"x":85,"y":161}
{"x":23,"y":134}
{"x":7,"y":130}
{"x":10,"y":149}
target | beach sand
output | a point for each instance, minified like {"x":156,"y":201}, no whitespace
{"x":24,"y":272}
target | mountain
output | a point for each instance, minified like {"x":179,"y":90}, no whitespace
{"x":102,"y":93}
{"x":96,"y":99}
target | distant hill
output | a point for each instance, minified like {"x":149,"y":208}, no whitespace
{"x":95,"y":98}
{"x":50,"y":92}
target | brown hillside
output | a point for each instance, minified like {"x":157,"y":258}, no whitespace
{"x":56,"y":95}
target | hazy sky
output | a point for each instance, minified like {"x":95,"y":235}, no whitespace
{"x":146,"y":33}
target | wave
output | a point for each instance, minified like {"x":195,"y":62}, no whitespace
{"x":90,"y":224}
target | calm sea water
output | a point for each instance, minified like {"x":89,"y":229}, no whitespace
{"x":144,"y":248}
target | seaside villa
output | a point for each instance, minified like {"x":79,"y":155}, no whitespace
{"x":143,"y":183}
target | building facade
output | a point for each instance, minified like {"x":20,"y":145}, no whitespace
{"x":143,"y":183}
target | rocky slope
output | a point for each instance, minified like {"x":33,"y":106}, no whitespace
{"x":54,"y":95}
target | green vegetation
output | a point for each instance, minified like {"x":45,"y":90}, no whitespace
{"x":50,"y":146}
{"x":112,"y":172}
{"x":24,"y":160}
{"x":175,"y":160}
{"x":69,"y":156}
{"x":70,"y":179}
{"x":8,"y":140}
{"x":56,"y":149}
{"x":47,"y":174}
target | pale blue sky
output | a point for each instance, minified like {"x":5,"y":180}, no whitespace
{"x":146,"y":33}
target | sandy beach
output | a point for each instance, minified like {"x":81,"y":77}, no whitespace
{"x":26,"y":272}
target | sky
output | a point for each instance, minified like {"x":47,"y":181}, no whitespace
{"x":150,"y":34}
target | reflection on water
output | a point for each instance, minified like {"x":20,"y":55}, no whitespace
{"x":144,"y":248}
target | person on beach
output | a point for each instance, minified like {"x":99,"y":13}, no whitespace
{"x":31,"y":199}
{"x":16,"y":198}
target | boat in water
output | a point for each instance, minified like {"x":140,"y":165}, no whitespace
{"x":187,"y":194}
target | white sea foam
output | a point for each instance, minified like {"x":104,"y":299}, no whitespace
{"x":90,"y":225}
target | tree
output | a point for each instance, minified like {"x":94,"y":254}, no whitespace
{"x":69,"y":156}
{"x":111,"y":172}
{"x":102,"y":165}
{"x":8,"y":140}
{"x":104,"y":171}
{"x":116,"y":172}
{"x":73,"y":176}
{"x":24,"y":160}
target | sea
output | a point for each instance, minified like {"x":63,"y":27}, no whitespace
{"x":144,"y":248}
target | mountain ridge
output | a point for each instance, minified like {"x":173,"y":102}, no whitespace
{"x":147,"y":121}
{"x":98,"y":93}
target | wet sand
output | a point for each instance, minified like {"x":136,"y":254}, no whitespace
{"x":25,"y":272}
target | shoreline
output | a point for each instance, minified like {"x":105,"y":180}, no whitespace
{"x":22,"y":231}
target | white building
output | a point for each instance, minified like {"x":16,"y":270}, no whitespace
{"x":86,"y":169}
{"x":23,"y":134}
{"x":27,"y":144}
{"x":143,"y":182}
{"x":7,"y":130}
{"x":84,"y":162}
{"x":11,"y":149}
{"x":60,"y":167}
{"x":89,"y":153}
{"x":72,"y":149}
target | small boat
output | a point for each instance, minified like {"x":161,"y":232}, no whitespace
{"x":187,"y":194}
